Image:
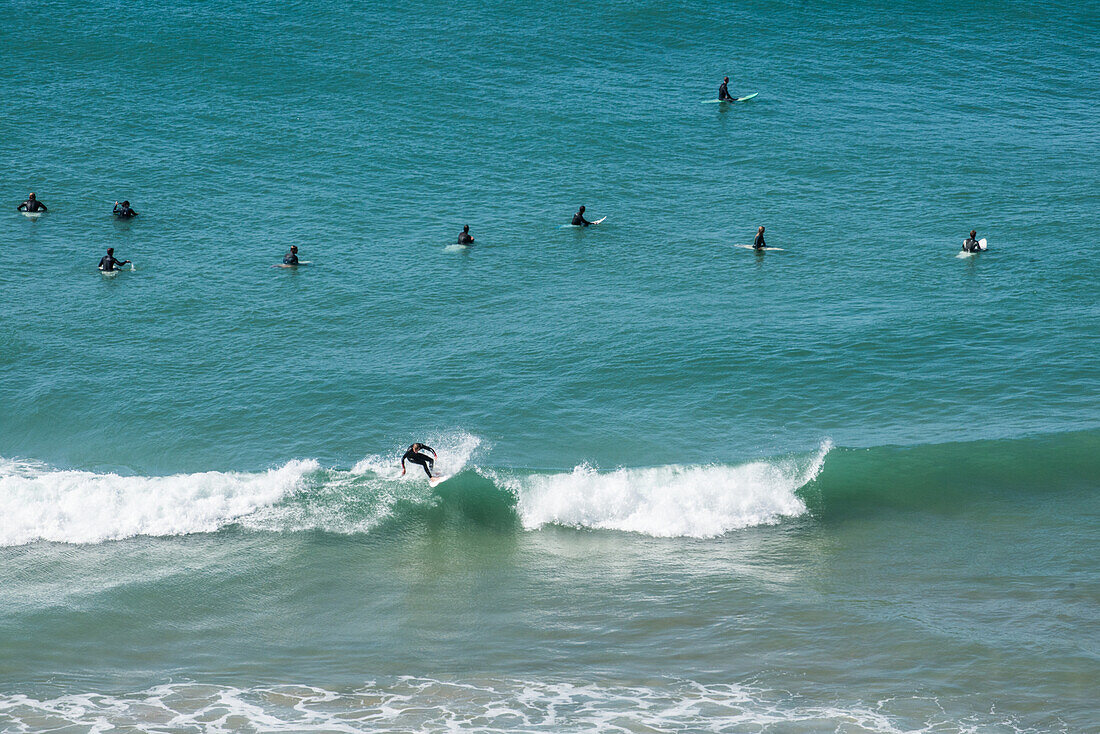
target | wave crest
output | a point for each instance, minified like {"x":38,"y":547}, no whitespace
{"x":71,"y":506}
{"x":667,"y":501}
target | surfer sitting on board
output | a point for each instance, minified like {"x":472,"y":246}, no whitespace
{"x":413,"y":454}
{"x":464,"y":238}
{"x":291,"y":258}
{"x":32,"y":204}
{"x":579,"y":220}
{"x":724,"y":93}
{"x":108,"y":263}
{"x":971,"y":244}
{"x":123,"y":210}
{"x":758,"y":243}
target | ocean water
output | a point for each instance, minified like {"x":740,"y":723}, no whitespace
{"x":851,"y":486}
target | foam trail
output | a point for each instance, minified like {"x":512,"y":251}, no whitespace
{"x":69,"y":506}
{"x":667,"y":501}
{"x":455,"y":451}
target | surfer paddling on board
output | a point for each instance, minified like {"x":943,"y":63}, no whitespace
{"x":579,"y":220}
{"x":123,"y":210}
{"x":291,"y":258}
{"x":32,"y":204}
{"x":413,"y":455}
{"x":724,"y":92}
{"x":464,"y":237}
{"x":758,"y":243}
{"x":971,"y":243}
{"x":108,"y":263}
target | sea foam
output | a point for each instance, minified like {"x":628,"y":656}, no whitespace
{"x":38,"y":502}
{"x":667,"y":501}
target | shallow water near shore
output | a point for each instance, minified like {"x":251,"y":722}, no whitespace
{"x":851,"y":485}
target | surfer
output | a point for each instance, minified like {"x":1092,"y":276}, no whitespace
{"x":291,"y":258}
{"x":758,"y":243}
{"x":108,"y":263}
{"x":464,"y":238}
{"x":579,"y":220}
{"x":723,"y":92}
{"x":32,"y":204}
{"x":123,"y":210}
{"x":971,"y":243}
{"x":413,"y":454}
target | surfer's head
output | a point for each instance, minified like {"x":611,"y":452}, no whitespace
{"x":973,"y":233}
{"x":110,"y":251}
{"x":581,"y":209}
{"x":466,"y":228}
{"x":294,"y":248}
{"x":31,"y":196}
{"x":726,"y":79}
{"x":761,"y":228}
{"x":126,"y":203}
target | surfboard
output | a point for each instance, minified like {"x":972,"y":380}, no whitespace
{"x":32,"y":215}
{"x":439,"y":479}
{"x":766,"y":249}
{"x":581,"y":226}
{"x":727,"y":101}
{"x":109,"y":273}
{"x":300,"y":263}
{"x":600,"y":219}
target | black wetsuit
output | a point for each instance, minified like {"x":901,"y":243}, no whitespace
{"x":758,"y":243}
{"x":465,"y":239}
{"x":123,"y":212}
{"x":723,"y":93}
{"x":32,"y":205}
{"x":290,"y":259}
{"x":108,"y":263}
{"x":424,"y":460}
{"x":971,"y":246}
{"x":580,"y":221}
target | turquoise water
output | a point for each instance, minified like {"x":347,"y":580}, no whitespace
{"x":849,"y":486}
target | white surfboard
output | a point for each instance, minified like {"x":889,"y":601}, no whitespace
{"x":579,"y":226}
{"x":32,"y":215}
{"x":727,"y":101}
{"x":116,"y":271}
{"x":300,"y":262}
{"x":439,"y":479}
{"x":768,"y":249}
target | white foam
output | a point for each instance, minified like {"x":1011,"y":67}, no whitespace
{"x":667,"y":501}
{"x":491,"y":705}
{"x":69,"y":506}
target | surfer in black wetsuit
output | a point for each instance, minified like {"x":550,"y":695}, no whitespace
{"x":32,"y":205}
{"x":758,"y":243}
{"x":579,"y":220}
{"x":464,"y":238}
{"x":291,"y":258}
{"x":723,"y":92}
{"x":108,"y":263}
{"x":123,"y":210}
{"x":413,"y":455}
{"x":971,"y":243}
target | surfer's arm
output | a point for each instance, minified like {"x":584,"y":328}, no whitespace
{"x":402,"y":466}
{"x":429,"y":448}
{"x":22,"y":207}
